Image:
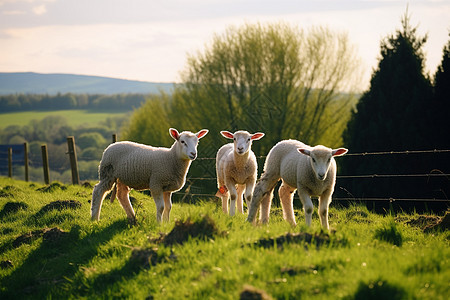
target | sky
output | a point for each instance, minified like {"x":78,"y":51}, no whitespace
{"x":149,"y":40}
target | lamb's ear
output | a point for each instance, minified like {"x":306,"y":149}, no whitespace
{"x":174,"y":134}
{"x":202,"y":133}
{"x":257,"y":136}
{"x":227,"y":134}
{"x":339,"y":152}
{"x":304,"y":151}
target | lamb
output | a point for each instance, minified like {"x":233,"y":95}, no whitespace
{"x":236,"y":166}
{"x":309,"y":170}
{"x":127,"y":165}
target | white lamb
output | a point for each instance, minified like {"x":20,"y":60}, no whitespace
{"x":310,"y":170}
{"x":236,"y":166}
{"x":127,"y":165}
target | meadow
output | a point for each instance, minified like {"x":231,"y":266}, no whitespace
{"x":49,"y":249}
{"x":75,"y":118}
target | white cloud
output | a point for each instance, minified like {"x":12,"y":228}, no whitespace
{"x":40,"y":10}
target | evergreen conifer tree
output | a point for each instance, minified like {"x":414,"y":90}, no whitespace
{"x":392,"y":116}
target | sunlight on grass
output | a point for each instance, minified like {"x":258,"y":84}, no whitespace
{"x":49,"y":248}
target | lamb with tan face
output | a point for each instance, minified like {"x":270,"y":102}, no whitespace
{"x":309,"y":170}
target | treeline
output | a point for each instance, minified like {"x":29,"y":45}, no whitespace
{"x":53,"y":131}
{"x":27,"y":102}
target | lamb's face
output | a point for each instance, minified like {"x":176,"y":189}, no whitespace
{"x":320,"y":158}
{"x":187,"y":142}
{"x":188,"y":145}
{"x":242,"y":140}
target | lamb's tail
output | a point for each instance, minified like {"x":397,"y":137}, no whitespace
{"x":114,"y":192}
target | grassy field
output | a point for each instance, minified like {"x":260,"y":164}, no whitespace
{"x":50,"y":249}
{"x":74,"y":118}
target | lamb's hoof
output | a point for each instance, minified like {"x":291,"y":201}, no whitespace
{"x":132,"y":222}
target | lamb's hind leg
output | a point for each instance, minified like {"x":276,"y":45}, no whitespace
{"x":98,"y":195}
{"x":262,"y":197}
{"x":123,"y":192}
{"x":286,"y":194}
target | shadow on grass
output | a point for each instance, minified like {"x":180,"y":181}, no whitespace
{"x":54,"y":262}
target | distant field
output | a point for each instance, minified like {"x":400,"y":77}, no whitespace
{"x":74,"y":118}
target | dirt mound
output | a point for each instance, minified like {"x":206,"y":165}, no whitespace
{"x":49,"y":234}
{"x":251,"y":293}
{"x":294,"y":238}
{"x":60,"y":205}
{"x":145,"y":257}
{"x":6,"y":264}
{"x":204,"y":228}
{"x":8,"y":191}
{"x":429,"y":223}
{"x":54,"y":186}
{"x":12,"y":207}
{"x":87,"y":184}
{"x":53,"y":234}
{"x":442,"y":224}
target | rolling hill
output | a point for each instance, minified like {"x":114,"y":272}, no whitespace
{"x":36,"y":83}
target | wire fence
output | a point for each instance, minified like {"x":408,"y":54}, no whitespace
{"x":194,"y":184}
{"x":435,"y":173}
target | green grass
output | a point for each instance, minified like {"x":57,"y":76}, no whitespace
{"x":109,"y":259}
{"x":74,"y":118}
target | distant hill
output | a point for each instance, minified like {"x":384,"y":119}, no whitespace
{"x":36,"y":83}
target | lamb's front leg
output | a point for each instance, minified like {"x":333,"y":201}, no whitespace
{"x":324,"y":203}
{"x":231,"y":186}
{"x":249,"y":187}
{"x":158,"y":197}
{"x":240,"y":202}
{"x":167,"y":205}
{"x":308,"y":207}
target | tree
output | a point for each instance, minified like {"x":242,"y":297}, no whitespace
{"x":273,"y":78}
{"x":441,"y":105}
{"x":392,"y":115}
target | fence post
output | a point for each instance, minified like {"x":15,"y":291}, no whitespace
{"x":9,"y":162}
{"x":45,"y":164}
{"x":73,"y":160}
{"x":114,"y":138}
{"x":25,"y":148}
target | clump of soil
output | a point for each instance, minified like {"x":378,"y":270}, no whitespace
{"x":251,"y":293}
{"x":145,"y":257}
{"x":60,"y":205}
{"x":49,"y":234}
{"x":12,"y":207}
{"x":52,"y":187}
{"x":54,"y":234}
{"x":87,"y":184}
{"x":429,"y":223}
{"x":7,"y":191}
{"x":295,"y":238}
{"x":204,"y":228}
{"x":6,"y":264}
{"x":442,"y":224}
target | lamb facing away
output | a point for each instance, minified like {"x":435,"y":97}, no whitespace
{"x":236,"y":166}
{"x":309,"y":170}
{"x":127,"y":165}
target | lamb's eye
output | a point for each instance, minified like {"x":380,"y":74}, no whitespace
{"x":248,"y":140}
{"x":234,"y":139}
{"x":183,"y":142}
{"x":314,"y":160}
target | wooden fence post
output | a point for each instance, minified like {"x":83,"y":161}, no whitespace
{"x":114,"y":138}
{"x":25,"y":148}
{"x":73,"y":160}
{"x":45,"y":164}
{"x":9,"y":162}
